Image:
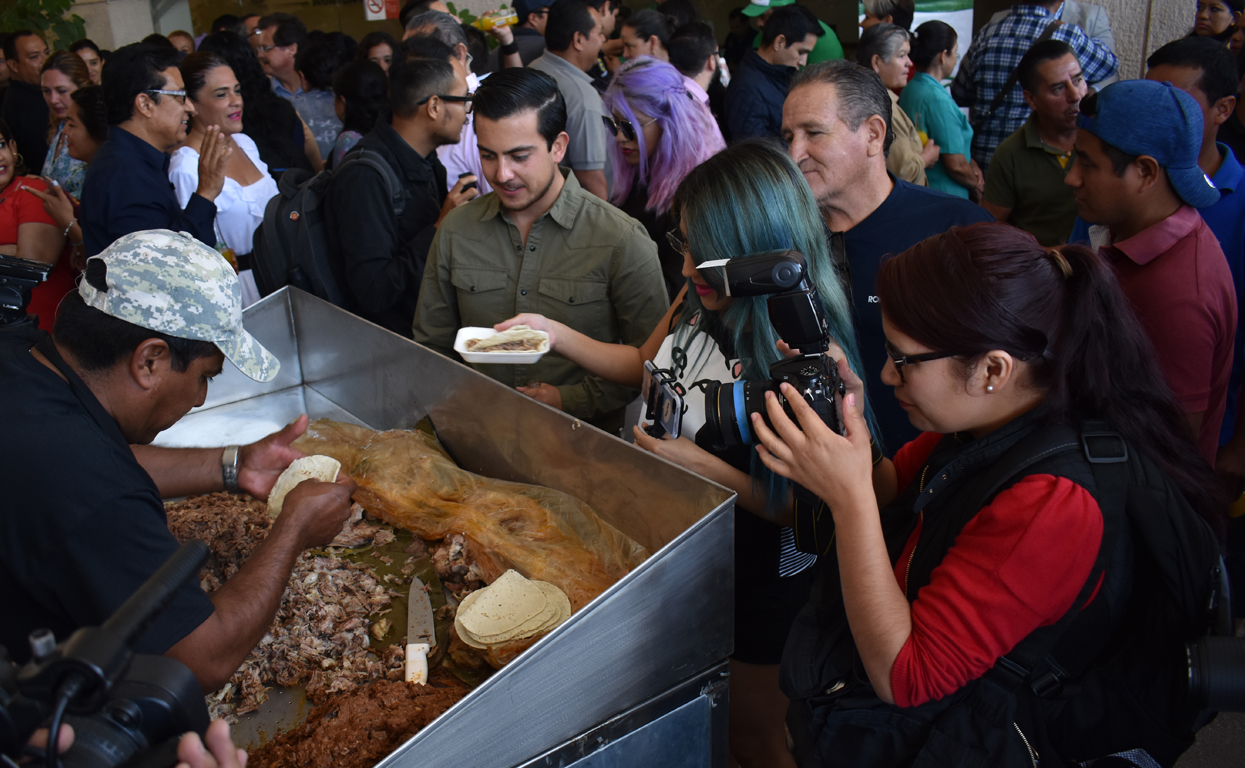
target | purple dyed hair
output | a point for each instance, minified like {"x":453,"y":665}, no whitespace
{"x":689,"y":135}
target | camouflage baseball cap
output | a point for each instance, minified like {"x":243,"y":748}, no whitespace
{"x":172,"y":283}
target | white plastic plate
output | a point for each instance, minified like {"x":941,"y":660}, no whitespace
{"x":493,"y":358}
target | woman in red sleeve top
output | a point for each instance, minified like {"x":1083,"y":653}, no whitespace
{"x":989,"y":336}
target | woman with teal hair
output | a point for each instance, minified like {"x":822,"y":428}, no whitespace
{"x":746,"y":199}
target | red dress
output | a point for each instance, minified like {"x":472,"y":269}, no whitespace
{"x":19,"y":207}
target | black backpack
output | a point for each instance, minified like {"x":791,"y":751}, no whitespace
{"x":1105,"y":681}
{"x":291,"y":246}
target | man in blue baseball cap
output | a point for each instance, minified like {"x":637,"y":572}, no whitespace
{"x":1138,"y":184}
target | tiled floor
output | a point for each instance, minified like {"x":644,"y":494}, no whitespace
{"x":1219,"y":745}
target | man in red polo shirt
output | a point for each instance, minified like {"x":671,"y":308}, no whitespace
{"x":1138,"y":184}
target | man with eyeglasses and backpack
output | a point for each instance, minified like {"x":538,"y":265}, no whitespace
{"x":127,"y":185}
{"x":384,"y":203}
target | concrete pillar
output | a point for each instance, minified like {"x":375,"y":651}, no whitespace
{"x":114,"y":23}
{"x":171,"y":15}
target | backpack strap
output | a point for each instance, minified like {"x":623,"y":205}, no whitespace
{"x":1014,"y":77}
{"x":373,"y":159}
{"x":1032,"y":660}
{"x":1041,"y":444}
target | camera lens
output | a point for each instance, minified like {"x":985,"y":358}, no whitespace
{"x":729,"y":409}
{"x":720,"y":421}
{"x":1217,"y":674}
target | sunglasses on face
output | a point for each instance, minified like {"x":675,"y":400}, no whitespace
{"x":625,"y":127}
{"x":901,"y":360}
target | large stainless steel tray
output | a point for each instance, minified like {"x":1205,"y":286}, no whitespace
{"x":666,"y":622}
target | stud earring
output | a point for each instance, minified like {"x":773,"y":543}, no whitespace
{"x":989,"y":387}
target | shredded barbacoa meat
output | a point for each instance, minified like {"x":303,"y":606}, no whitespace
{"x":320,"y":635}
{"x":455,"y":567}
{"x":359,"y":728}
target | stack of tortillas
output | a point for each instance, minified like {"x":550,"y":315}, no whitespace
{"x":322,"y":468}
{"x":511,"y":608}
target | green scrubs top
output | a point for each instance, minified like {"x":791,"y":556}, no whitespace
{"x":931,"y":108}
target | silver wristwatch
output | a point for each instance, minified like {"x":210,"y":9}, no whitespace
{"x":229,"y":469}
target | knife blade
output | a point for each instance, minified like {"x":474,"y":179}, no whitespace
{"x":421,"y":633}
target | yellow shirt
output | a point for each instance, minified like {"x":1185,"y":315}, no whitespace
{"x":904,"y":159}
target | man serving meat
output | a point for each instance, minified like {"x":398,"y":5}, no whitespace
{"x":83,"y":524}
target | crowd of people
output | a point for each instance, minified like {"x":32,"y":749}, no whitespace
{"x":1001,"y":242}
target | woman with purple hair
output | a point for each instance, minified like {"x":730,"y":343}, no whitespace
{"x":660,"y":134}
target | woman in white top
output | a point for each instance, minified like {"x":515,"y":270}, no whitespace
{"x":217,"y":98}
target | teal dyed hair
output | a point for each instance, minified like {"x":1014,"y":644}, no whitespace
{"x":749,"y":198}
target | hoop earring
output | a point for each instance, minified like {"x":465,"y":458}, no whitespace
{"x":18,"y":159}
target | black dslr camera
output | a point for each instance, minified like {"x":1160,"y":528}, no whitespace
{"x":796,"y":312}
{"x":17,"y":278}
{"x":124,"y":708}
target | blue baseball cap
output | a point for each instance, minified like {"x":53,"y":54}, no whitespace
{"x":1143,"y":117}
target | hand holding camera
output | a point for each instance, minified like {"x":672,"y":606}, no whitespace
{"x":832,"y":466}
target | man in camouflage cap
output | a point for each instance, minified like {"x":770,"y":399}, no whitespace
{"x":83,"y":524}
{"x":172,"y":283}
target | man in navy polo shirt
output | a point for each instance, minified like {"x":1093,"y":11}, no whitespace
{"x":836,"y":121}
{"x":127,"y":187}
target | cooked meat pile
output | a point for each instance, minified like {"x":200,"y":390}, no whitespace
{"x":359,"y":728}
{"x":232,"y":526}
{"x":456,"y":568}
{"x":320,"y":633}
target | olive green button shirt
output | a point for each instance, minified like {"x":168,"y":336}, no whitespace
{"x":585,"y":264}
{"x":1026,"y":175}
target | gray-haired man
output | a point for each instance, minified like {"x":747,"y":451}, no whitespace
{"x":83,"y":524}
{"x":836,"y":121}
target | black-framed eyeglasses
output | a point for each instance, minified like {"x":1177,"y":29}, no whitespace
{"x":624,"y":126}
{"x":677,"y":241}
{"x":901,"y":360}
{"x":179,"y":95}
{"x":464,"y":100}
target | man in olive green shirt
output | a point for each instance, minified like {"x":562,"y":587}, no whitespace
{"x":539,"y":242}
{"x":1024,"y":184}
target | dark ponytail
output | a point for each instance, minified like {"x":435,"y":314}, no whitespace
{"x":365,"y":88}
{"x":992,"y":286}
{"x":929,"y":40}
{"x":649,"y":23}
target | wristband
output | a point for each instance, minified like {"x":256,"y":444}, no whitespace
{"x":229,"y":469}
{"x":510,"y":48}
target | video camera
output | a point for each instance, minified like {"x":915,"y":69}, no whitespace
{"x":797,"y":315}
{"x":124,"y":707}
{"x":17,"y":278}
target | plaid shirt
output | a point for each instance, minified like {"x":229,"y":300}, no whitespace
{"x":994,"y":55}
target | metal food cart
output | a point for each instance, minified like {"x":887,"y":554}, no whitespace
{"x":638,"y":676}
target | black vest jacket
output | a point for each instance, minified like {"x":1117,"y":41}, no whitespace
{"x":843,"y":720}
